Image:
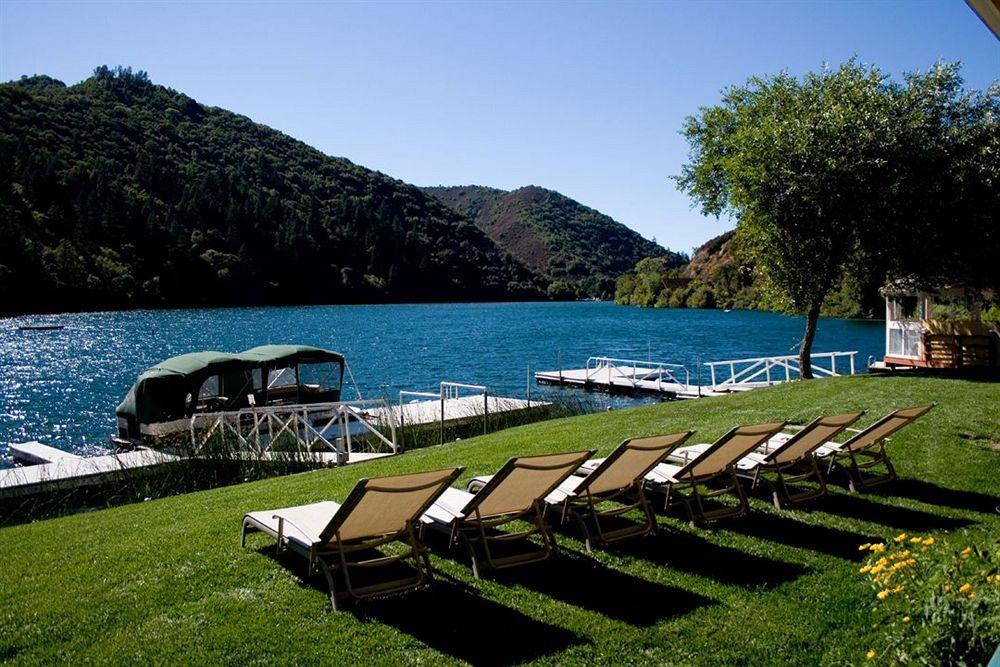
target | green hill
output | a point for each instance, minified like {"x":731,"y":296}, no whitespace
{"x":118,"y":193}
{"x":718,"y":276}
{"x":579,"y":250}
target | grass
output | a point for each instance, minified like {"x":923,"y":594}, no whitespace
{"x":165,"y":581}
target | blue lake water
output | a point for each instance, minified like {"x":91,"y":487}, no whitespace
{"x":61,"y":387}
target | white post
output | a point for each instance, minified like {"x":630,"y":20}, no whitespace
{"x":529,"y":386}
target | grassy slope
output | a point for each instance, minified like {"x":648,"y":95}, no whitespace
{"x":166,"y":579}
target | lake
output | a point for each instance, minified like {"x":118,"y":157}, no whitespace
{"x":61,"y":387}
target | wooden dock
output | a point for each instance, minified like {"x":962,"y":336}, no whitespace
{"x":673,"y":381}
{"x":456,"y":411}
{"x":47,"y":468}
{"x":57,"y":469}
{"x":630,"y":377}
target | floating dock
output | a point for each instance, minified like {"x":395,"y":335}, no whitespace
{"x":55,"y":469}
{"x":674,"y":382}
{"x":457,"y":411}
{"x":47,"y":468}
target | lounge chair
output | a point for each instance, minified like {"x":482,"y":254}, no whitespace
{"x":788,"y":458}
{"x":619,"y":478}
{"x":711,"y":464}
{"x":866,"y":449}
{"x":377,"y":512}
{"x":514,"y":493}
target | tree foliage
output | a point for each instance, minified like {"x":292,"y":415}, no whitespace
{"x":119,"y":193}
{"x":846,"y":173}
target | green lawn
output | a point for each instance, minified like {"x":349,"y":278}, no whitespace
{"x":166,"y":581}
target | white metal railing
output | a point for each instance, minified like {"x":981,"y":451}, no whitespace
{"x":447,"y":391}
{"x":745,"y":373}
{"x":303,"y":428}
{"x":636,"y":372}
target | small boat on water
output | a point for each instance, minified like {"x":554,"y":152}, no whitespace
{"x":41,"y":327}
{"x":165,"y":397}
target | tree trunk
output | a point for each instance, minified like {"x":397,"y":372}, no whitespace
{"x":805,"y":351}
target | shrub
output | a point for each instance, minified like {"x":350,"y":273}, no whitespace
{"x":702,"y":297}
{"x":937,"y":600}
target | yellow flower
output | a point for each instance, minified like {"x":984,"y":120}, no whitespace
{"x":972,"y":595}
{"x":897,"y":589}
{"x":883,"y":594}
{"x":906,"y":619}
{"x":871,"y":654}
{"x":966,"y":551}
{"x":929,"y":541}
{"x":947,"y":587}
{"x":865,"y":569}
{"x":864,"y":547}
{"x":964,"y":588}
{"x":915,"y":540}
{"x":877,"y":548}
{"x":900,"y":537}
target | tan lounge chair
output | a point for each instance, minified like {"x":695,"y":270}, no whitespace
{"x":715,"y":463}
{"x":376,"y":512}
{"x":619,"y":478}
{"x":787,"y":458}
{"x":866,"y":449}
{"x":514,"y":493}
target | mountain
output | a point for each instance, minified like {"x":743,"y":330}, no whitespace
{"x":118,"y":193}
{"x":711,"y":257}
{"x":719,"y":277}
{"x":580,"y":251}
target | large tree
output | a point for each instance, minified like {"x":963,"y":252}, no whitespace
{"x":840,"y":173}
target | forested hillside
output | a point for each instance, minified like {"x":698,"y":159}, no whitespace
{"x":118,"y":193}
{"x":719,"y":276}
{"x":580,"y":251}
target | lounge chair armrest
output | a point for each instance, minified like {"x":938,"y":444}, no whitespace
{"x":313,"y":538}
{"x":447,"y":510}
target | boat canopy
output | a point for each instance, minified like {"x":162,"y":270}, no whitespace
{"x":218,"y":381}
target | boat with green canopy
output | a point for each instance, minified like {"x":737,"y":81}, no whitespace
{"x":166,"y":396}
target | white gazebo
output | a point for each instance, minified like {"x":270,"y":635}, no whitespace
{"x":937,"y":328}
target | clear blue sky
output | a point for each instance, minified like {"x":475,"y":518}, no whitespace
{"x":584,"y":98}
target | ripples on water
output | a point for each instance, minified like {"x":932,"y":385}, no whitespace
{"x":61,"y":387}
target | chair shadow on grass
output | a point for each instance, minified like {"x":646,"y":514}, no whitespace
{"x":450,"y":617}
{"x":784,"y":529}
{"x":891,"y":516}
{"x":696,"y":555}
{"x":584,"y":582}
{"x":466,"y":626}
{"x":581,"y":581}
{"x":932,"y":494}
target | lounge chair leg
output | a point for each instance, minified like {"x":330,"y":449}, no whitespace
{"x":329,"y":582}
{"x":243,"y":535}
{"x":744,"y":503}
{"x":472,"y":555}
{"x":586,"y":533}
